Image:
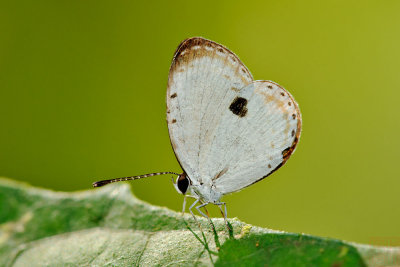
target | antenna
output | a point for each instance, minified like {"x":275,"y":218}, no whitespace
{"x":131,"y":178}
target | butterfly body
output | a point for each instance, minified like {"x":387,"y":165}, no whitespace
{"x":206,"y":192}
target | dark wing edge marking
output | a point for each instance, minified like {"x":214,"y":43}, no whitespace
{"x":193,"y":41}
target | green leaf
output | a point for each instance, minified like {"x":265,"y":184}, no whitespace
{"x":287,"y":250}
{"x":110,"y":227}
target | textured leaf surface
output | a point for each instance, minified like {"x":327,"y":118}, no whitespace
{"x":109,"y":226}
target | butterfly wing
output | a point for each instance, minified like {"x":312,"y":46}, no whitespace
{"x":203,"y":77}
{"x":225,"y":128}
{"x":257,"y":143}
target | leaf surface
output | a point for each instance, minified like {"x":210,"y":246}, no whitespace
{"x":110,"y":227}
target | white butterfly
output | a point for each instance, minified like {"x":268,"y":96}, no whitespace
{"x":227,"y":130}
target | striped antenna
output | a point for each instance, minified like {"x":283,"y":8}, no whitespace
{"x":104,"y":182}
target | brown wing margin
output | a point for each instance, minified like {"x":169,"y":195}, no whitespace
{"x":189,"y":43}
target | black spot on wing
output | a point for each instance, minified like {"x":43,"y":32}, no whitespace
{"x":238,"y":106}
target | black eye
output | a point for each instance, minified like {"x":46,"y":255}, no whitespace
{"x":183,"y":183}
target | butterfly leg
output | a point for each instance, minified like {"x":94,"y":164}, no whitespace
{"x":184,"y":205}
{"x":198,"y":209}
{"x":205,"y":243}
{"x":194,"y":217}
{"x":224,"y":214}
{"x":212,"y":225}
{"x":206,"y":215}
{"x":191,"y":207}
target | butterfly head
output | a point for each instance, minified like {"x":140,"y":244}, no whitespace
{"x":182,"y":183}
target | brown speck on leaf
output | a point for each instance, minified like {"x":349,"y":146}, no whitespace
{"x":270,"y":86}
{"x":282,"y":94}
{"x":174,"y":95}
{"x":221,"y":50}
{"x":269,"y":166}
{"x":289,"y":103}
{"x":173,"y":121}
{"x":293,"y":132}
{"x":294,"y":116}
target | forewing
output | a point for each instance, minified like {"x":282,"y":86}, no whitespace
{"x":203,"y":79}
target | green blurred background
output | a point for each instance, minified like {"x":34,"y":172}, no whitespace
{"x":83,"y":88}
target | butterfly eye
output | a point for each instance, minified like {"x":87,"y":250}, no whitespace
{"x":183,"y":183}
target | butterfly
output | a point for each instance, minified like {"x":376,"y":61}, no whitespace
{"x":228,"y":131}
